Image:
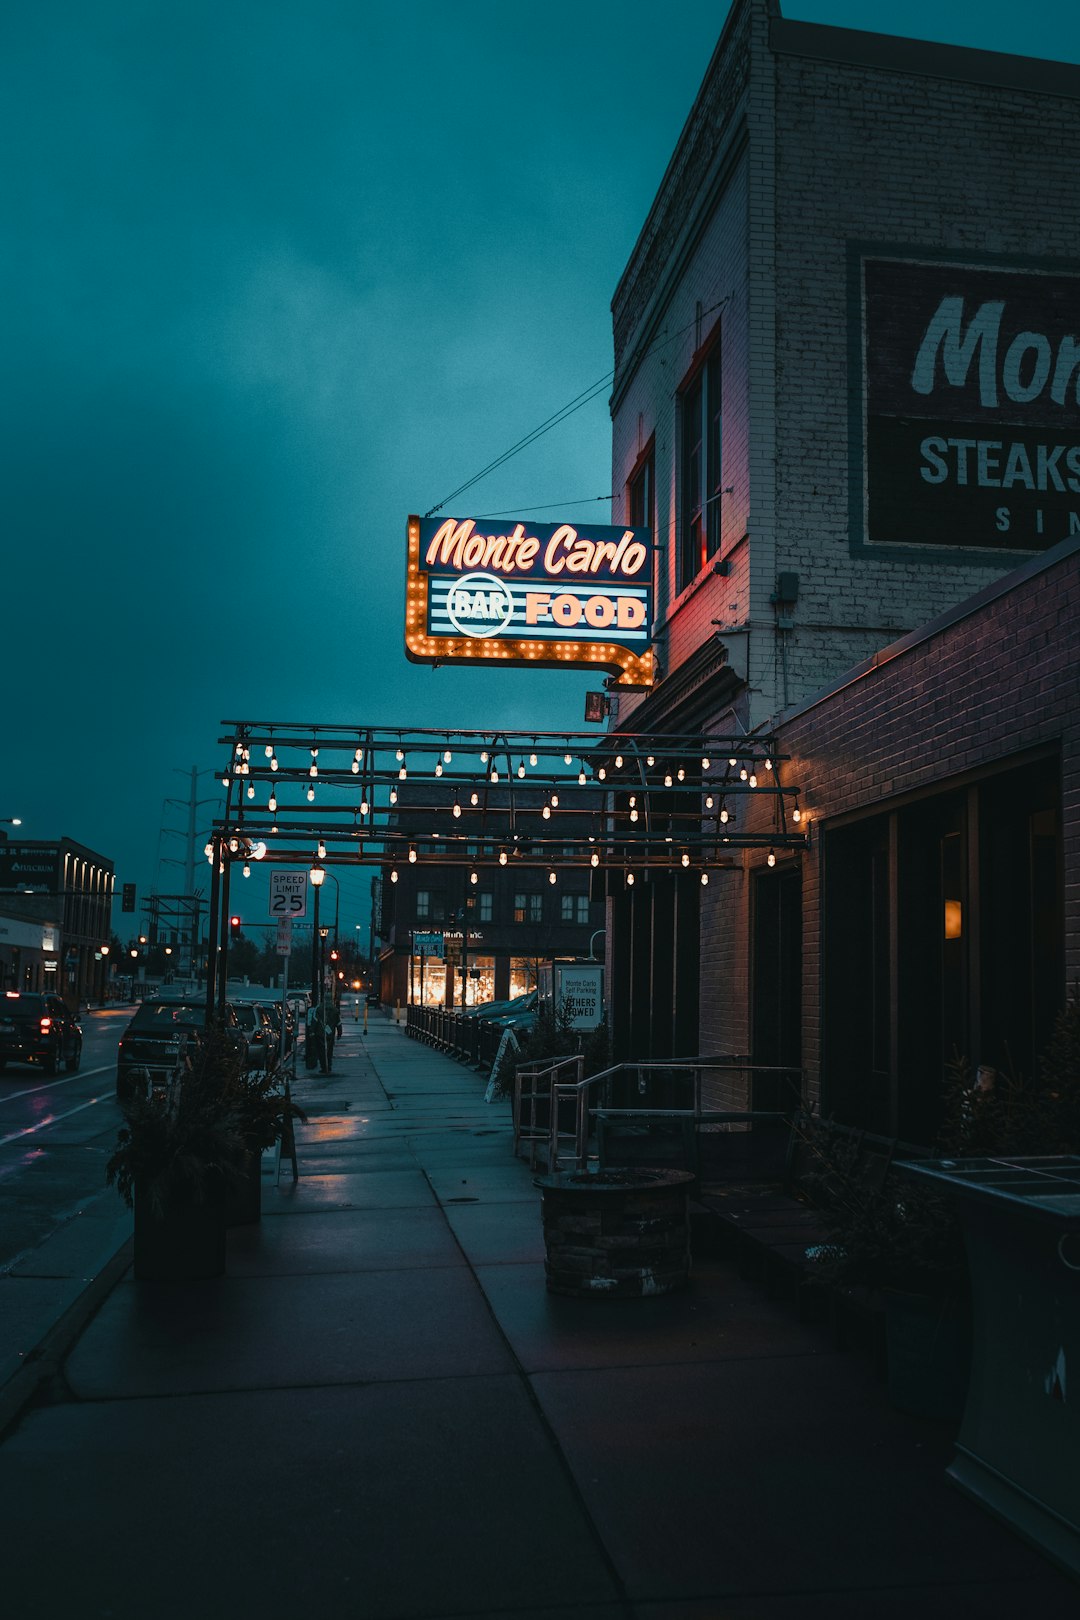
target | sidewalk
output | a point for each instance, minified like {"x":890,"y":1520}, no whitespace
{"x":381,"y":1414}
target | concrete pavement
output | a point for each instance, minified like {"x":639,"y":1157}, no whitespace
{"x":380,"y":1413}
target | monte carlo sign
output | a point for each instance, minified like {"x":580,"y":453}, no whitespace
{"x":559,"y":594}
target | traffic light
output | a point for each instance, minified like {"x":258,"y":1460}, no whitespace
{"x":234,"y":927}
{"x":334,"y":955}
{"x":128,"y":901}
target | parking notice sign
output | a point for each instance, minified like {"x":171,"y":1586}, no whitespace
{"x":284,"y":936}
{"x":288,"y":894}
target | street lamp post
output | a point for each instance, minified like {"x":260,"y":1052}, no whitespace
{"x":317,"y":874}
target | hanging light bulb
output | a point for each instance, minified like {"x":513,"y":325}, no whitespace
{"x":768,"y":763}
{"x":594,"y":859}
{"x":314,"y":753}
{"x":532,"y":759}
{"x":724,"y":814}
{"x":358,"y":756}
{"x":448,"y":756}
{"x":403,"y":773}
{"x":521,"y":768}
{"x":602,"y":774}
{"x":618,"y":762}
{"x":704,"y":879}
{"x":667,"y":779}
{"x":259,"y":851}
{"x":752,"y":779}
{"x":393,"y":795}
{"x":494,"y":774}
{"x":743,"y":774}
{"x":502,"y":857}
{"x":705,"y":762}
{"x":271,"y":803}
{"x":400,"y":753}
{"x":650,"y":759}
{"x":322,"y":850}
{"x":412,"y":854}
{"x":247,"y":869}
{"x":364,"y":807}
{"x":224,"y":781}
{"x":239,"y":750}
{"x":474,"y":877}
{"x":732,"y":760}
{"x":682,"y":774}
{"x":474,"y":797}
{"x":438,"y":767}
{"x":393,"y":874}
{"x":209,"y":852}
{"x":456,"y":809}
{"x":796,"y":814}
{"x":268,"y":750}
{"x":581,"y":777}
{"x":554,"y":801}
{"x":546,"y":812}
{"x":552,"y":876}
{"x":355,"y":767}
{"x":273,"y":762}
{"x":633,"y":815}
{"x":251,"y":790}
{"x":568,"y":759}
{"x":483,"y":756}
{"x":685,"y":858}
{"x":629,"y":880}
{"x":708,"y":801}
{"x":772,"y":857}
{"x":314,"y":769}
{"x":310,"y":793}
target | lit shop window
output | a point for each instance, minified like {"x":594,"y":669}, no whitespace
{"x":522,"y":975}
{"x":428,"y":981}
{"x":480,"y":984}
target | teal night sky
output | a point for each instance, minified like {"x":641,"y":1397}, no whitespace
{"x":275,"y":275}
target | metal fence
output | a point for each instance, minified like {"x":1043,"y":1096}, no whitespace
{"x":461,"y":1035}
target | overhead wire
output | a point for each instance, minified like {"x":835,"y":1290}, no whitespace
{"x":579,"y":400}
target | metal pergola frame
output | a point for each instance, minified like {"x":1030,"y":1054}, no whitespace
{"x":620,"y":802}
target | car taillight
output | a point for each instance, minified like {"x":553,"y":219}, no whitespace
{"x":46,"y":1023}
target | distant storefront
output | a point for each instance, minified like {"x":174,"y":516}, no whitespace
{"x":29,"y":951}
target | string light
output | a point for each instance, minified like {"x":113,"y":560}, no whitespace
{"x":724,"y":815}
{"x":209,"y":852}
{"x":708,"y":801}
{"x":552,"y":876}
{"x":393,"y":874}
{"x":629,"y":880}
{"x":650,"y":759}
{"x":483,"y":756}
{"x":393,"y":795}
{"x":355,"y":767}
{"x":796,"y":814}
{"x":456,"y":809}
{"x":403,"y":773}
{"x":251,"y":790}
{"x":448,"y":756}
{"x":532,"y":759}
{"x":412,"y":854}
{"x":634,"y":815}
{"x":743,"y":774}
{"x":568,"y":759}
{"x":581,"y":775}
{"x":474,"y":798}
{"x":682,"y":774}
{"x":521,"y":768}
{"x":705,"y":762}
{"x":667,"y":779}
{"x":271,"y":803}
{"x":494,"y":774}
{"x":438,"y":767}
{"x":618,"y":762}
{"x":546,"y":812}
{"x":268,"y":750}
{"x":364,"y":807}
{"x":704,"y":879}
{"x":685,"y":858}
{"x":247,"y":869}
{"x":594,"y":859}
{"x":772,"y":857}
{"x":322,"y":850}
{"x":602,"y":774}
{"x":310,"y":794}
{"x":752,"y":780}
{"x":273,"y":762}
{"x":474,"y":877}
{"x":502,"y":857}
{"x":554,"y":801}
{"x":400,"y":753}
{"x":768,"y":763}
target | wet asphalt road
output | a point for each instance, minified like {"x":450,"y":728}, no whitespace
{"x":56,"y":1136}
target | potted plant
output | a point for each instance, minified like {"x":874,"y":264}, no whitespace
{"x":178,"y":1153}
{"x":259,"y":1102}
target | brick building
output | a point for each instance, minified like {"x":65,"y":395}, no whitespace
{"x":494,"y":932}
{"x":847,"y":398}
{"x":61,"y":892}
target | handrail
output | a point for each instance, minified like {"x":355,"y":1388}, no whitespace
{"x":541,"y":1081}
{"x":578,"y":1094}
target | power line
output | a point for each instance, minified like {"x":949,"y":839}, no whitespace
{"x":579,"y":400}
{"x":549,"y":506}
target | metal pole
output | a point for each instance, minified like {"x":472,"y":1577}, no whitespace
{"x":211,"y":940}
{"x":315,"y":948}
{"x":223,"y":958}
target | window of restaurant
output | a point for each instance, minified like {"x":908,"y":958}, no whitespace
{"x":428,"y":981}
{"x":522,"y":975}
{"x":480,"y":985}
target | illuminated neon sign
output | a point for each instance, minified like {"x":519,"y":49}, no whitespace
{"x":559,"y":594}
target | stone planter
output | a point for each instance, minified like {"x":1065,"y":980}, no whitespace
{"x":620,"y":1233}
{"x":184,"y":1243}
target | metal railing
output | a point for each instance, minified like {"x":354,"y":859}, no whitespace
{"x":574,"y":1104}
{"x":461,"y":1035}
{"x":531,"y":1098}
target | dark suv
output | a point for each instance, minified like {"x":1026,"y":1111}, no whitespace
{"x":159,"y":1034}
{"x":40,"y":1029}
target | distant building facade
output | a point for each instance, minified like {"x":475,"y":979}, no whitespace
{"x":846,"y":399}
{"x":55,"y":917}
{"x":491,"y":935}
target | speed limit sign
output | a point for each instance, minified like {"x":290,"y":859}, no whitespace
{"x":288,"y":894}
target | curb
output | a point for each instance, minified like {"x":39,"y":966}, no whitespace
{"x":46,"y":1358}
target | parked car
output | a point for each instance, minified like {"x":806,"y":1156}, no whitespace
{"x":272,"y":1009}
{"x":258,"y":1031}
{"x":40,"y":1029}
{"x":158,"y":1035}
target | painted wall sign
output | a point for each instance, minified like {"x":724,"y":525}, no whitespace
{"x":556,"y":594}
{"x":34,"y":867}
{"x":970,"y":405}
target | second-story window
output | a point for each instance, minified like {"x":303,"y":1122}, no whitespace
{"x":575,"y":908}
{"x":487,"y":905}
{"x":423,"y":905}
{"x":700,"y":468}
{"x":528,"y":908}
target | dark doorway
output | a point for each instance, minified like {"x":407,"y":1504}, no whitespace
{"x":776,"y":1022}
